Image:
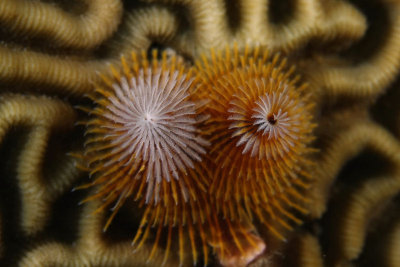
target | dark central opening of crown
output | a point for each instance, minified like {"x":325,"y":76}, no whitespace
{"x":148,"y":117}
{"x":271,"y":119}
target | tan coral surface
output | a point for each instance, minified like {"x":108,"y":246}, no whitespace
{"x":347,"y":51}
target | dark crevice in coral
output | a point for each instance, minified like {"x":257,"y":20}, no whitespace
{"x":379,"y":234}
{"x":232,"y":8}
{"x":281,"y":11}
{"x":291,"y":253}
{"x":63,"y":224}
{"x":56,"y":158}
{"x":158,"y":47}
{"x":366,"y":165}
{"x":129,"y":5}
{"x":74,"y":7}
{"x":125,"y":223}
{"x":386,"y":110}
{"x":378,"y":31}
{"x":10,"y":197}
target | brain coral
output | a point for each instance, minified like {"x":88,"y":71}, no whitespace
{"x":346,"y":51}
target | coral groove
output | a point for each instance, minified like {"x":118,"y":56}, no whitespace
{"x":43,"y":116}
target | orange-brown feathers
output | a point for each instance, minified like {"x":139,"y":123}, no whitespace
{"x":260,"y":127}
{"x":203,"y":150}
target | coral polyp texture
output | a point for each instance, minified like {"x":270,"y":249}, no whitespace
{"x":347,"y":52}
{"x":260,"y":126}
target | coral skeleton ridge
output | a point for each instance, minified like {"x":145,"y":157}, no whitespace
{"x":91,"y":248}
{"x":64,"y":29}
{"x":42,"y":116}
{"x":394,"y":246}
{"x":307,"y":251}
{"x":344,"y":104}
{"x":346,"y":145}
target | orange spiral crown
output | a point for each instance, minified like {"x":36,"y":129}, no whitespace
{"x":260,"y":127}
